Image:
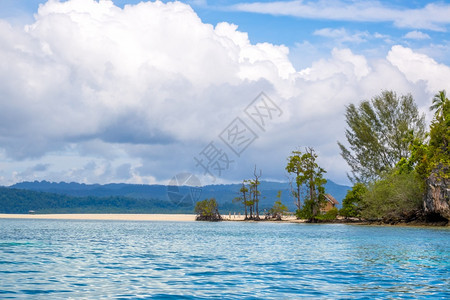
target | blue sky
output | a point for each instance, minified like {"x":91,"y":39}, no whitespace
{"x":127,"y":92}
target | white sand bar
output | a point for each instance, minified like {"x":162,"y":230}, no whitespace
{"x":118,"y":217}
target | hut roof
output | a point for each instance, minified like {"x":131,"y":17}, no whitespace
{"x":331,"y":199}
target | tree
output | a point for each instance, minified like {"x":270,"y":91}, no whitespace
{"x":439,"y":151}
{"x":308,"y":173}
{"x":256,"y":193}
{"x":207,"y":210}
{"x":435,"y":153}
{"x":393,"y":197}
{"x":398,"y":193}
{"x":352,"y":203}
{"x":243,"y":197}
{"x":316,"y":182}
{"x":294,"y":166}
{"x":438,"y":103}
{"x":251,"y":197}
{"x":278,"y":208}
{"x":379,"y":133}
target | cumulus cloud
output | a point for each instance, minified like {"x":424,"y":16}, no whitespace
{"x":433,"y":16}
{"x":420,"y":68}
{"x":92,"y":92}
{"x":87,"y":69}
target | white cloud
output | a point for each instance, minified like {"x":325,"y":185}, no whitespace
{"x":89,"y":69}
{"x":416,"y":35}
{"x":91,"y":92}
{"x":419,"y":67}
{"x":342,"y":62}
{"x":341,"y":35}
{"x":438,"y":51}
{"x":378,"y":35}
{"x":331,"y":32}
{"x":433,"y":16}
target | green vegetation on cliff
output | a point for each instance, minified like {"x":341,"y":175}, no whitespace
{"x":392,"y":158}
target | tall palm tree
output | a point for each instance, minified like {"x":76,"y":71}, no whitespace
{"x":438,"y":103}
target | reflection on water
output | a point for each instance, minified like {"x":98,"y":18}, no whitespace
{"x":99,"y":259}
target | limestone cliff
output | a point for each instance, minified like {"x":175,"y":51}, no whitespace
{"x":436,"y":198}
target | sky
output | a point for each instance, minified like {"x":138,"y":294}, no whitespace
{"x":138,"y":92}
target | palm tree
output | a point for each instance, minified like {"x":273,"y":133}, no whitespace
{"x":438,"y":103}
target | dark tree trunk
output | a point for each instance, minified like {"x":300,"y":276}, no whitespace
{"x":256,"y":195}
{"x":257,"y":200}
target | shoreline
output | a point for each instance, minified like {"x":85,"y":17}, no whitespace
{"x":292,"y":219}
{"x":111,"y":217}
{"x":191,"y":218}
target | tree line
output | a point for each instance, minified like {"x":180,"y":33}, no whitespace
{"x":18,"y":201}
{"x":307,"y":187}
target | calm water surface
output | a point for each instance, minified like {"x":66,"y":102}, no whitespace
{"x":54,"y":259}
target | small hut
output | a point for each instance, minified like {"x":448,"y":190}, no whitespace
{"x":330,"y":202}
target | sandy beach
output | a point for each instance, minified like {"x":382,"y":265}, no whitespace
{"x":130,"y":217}
{"x":118,"y":217}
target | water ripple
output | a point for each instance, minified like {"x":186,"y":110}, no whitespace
{"x":43,"y":259}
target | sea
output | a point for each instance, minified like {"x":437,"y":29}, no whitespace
{"x":75,"y":259}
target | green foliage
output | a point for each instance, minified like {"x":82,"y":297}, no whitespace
{"x":307,"y":211}
{"x":295,"y":166}
{"x":439,"y":152}
{"x":393,"y":195}
{"x":351,"y":205}
{"x":243,"y":197}
{"x":379,"y":134}
{"x":307,"y":172}
{"x":329,"y":215}
{"x":278,"y":208}
{"x":426,"y":157}
{"x":254,"y":196}
{"x":440,"y":101}
{"x":206,"y":207}
{"x":21,"y":201}
{"x":394,"y":192}
{"x":250,"y":196}
{"x":207,"y":210}
{"x":249,"y":199}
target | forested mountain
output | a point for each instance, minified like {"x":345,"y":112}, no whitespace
{"x":22,"y":201}
{"x":50,"y":197}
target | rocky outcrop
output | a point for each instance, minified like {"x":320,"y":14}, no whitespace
{"x":436,"y":200}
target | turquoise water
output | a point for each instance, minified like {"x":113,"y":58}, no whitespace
{"x":54,"y":259}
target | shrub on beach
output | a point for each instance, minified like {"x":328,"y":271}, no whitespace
{"x":207,"y":210}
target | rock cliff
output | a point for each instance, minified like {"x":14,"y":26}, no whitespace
{"x":436,"y":198}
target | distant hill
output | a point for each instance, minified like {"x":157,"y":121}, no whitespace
{"x":78,"y":197}
{"x":22,"y":201}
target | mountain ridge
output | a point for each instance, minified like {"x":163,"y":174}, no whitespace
{"x":224,"y":193}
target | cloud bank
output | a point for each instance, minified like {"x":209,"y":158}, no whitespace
{"x":91,"y":92}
